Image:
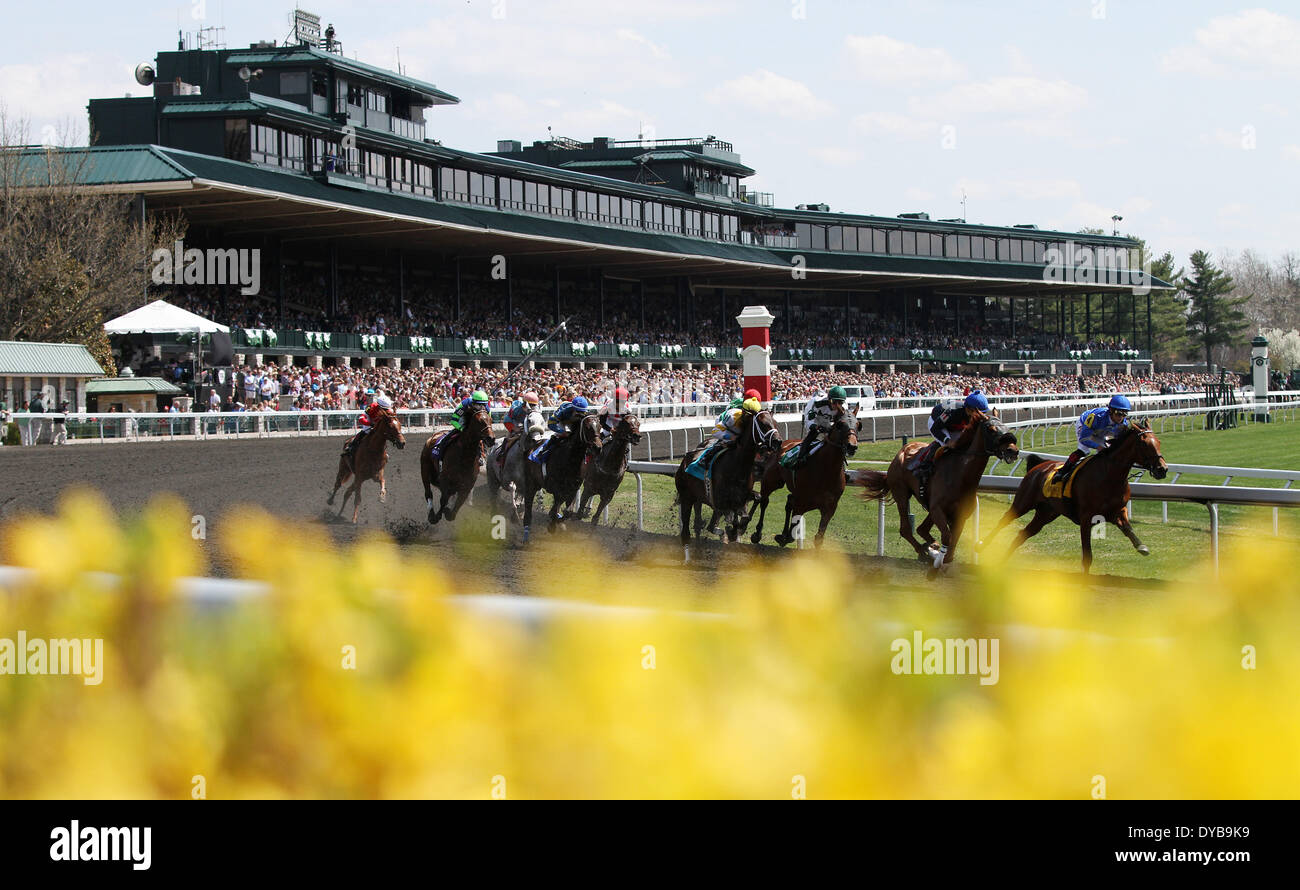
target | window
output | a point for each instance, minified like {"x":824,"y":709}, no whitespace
{"x":711,"y":225}
{"x":909,"y":243}
{"x":895,"y":241}
{"x":977,"y":248}
{"x":922,"y":243}
{"x":603,"y":205}
{"x":376,"y":169}
{"x":293,"y":83}
{"x":691,"y":221}
{"x":422,"y":179}
{"x":292,"y":149}
{"x":376,"y":101}
{"x":730,"y":225}
{"x":850,"y":237}
{"x":476,"y":187}
{"x":237,"y":139}
{"x":355,"y":94}
{"x":324,"y":154}
{"x":803,"y":231}
{"x":878,"y":241}
{"x":835,"y":238}
{"x":265,"y":144}
{"x":675,"y":224}
{"x":319,"y":84}
{"x":963,"y":246}
{"x":530,"y":196}
{"x":818,"y":237}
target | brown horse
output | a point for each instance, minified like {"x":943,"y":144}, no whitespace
{"x":604,"y":473}
{"x":819,"y":483}
{"x":562,"y":474}
{"x":953,"y":486}
{"x":1099,"y":490}
{"x":367,"y":462}
{"x":459,"y":468}
{"x":732,"y":474}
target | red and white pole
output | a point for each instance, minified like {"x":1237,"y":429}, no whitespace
{"x":756,"y":348}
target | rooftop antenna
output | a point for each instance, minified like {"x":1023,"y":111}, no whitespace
{"x":963,"y":204}
{"x":399,"y":60}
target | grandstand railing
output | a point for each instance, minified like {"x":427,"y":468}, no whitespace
{"x":294,"y":342}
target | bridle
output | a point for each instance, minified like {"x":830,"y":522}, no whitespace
{"x":393,"y":429}
{"x":763,"y":439}
{"x":991,"y":425}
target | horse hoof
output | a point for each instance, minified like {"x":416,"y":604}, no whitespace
{"x":434,"y":516}
{"x":755,"y":538}
{"x":1144,"y":550}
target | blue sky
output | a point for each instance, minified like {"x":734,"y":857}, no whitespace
{"x":1180,"y":116}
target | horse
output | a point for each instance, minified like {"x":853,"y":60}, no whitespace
{"x":604,"y":473}
{"x":367,"y":462}
{"x":1099,"y":490}
{"x":510,"y":474}
{"x":819,"y":483}
{"x":953,"y":486}
{"x":562,"y":474}
{"x":459,"y":468}
{"x":732,"y":473}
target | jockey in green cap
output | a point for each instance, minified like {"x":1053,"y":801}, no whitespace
{"x":818,"y":415}
{"x":458,"y":417}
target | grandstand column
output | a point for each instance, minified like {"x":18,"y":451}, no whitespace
{"x":368,"y":361}
{"x":239,"y":359}
{"x":286,"y":361}
{"x":345,"y":361}
{"x":1259,"y":377}
{"x":257,"y":359}
{"x":756,"y":348}
{"x":1053,"y":368}
{"x":1103,"y":369}
{"x":317,"y":362}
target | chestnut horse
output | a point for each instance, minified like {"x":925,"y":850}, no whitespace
{"x":819,"y":483}
{"x":732,"y":474}
{"x":459,"y":468}
{"x":562,"y":474}
{"x":604,"y":473}
{"x":1099,"y":491}
{"x":367,"y":462}
{"x":953,"y":486}
{"x":770,"y":480}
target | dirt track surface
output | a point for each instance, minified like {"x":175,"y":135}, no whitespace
{"x":292,"y":477}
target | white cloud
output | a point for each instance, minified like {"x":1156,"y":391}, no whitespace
{"x":1291,"y":151}
{"x":898,"y":126}
{"x":770,"y":93}
{"x":912,"y":193}
{"x":1254,"y":41}
{"x":835,"y":155}
{"x":887,"y":60}
{"x":53,"y":93}
{"x":1011,"y":96}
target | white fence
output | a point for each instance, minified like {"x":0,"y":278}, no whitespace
{"x":1209,"y":496}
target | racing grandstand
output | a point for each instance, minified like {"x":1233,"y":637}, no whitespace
{"x":379,"y":245}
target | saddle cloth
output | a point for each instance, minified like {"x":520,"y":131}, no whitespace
{"x":1064,"y":488}
{"x":791,"y":457}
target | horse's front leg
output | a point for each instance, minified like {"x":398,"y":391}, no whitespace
{"x":356,"y":498}
{"x":383,"y":489}
{"x":827,"y":512}
{"x":1127,"y":528}
{"x":461,"y":497}
{"x":761,"y":504}
{"x":905,"y":528}
{"x":1085,"y":541}
{"x":940,"y":518}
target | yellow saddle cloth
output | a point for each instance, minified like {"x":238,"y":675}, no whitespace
{"x":1064,"y":488}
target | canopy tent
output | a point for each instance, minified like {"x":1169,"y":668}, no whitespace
{"x":161,"y":317}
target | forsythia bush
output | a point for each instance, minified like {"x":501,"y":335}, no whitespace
{"x":792,"y":692}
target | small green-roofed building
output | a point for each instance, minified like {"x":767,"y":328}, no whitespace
{"x":129,"y":393}
{"x":55,"y":371}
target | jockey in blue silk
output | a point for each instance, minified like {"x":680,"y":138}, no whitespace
{"x":725,"y":431}
{"x":561,"y":423}
{"x":462,"y":413}
{"x":1094,"y":430}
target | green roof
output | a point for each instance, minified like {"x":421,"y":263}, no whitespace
{"x":116,"y":386}
{"x":608,"y":162}
{"x":299,"y":55}
{"x":22,"y":359}
{"x":253,"y":105}
{"x":695,"y":156}
{"x":101,"y":165}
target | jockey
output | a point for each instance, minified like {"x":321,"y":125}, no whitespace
{"x":458,"y":417}
{"x":948,"y":419}
{"x":562,"y":421}
{"x":519,"y":411}
{"x":818,"y":415}
{"x":367,"y":420}
{"x":725,"y":431}
{"x":611,"y":413}
{"x":1094,"y":430}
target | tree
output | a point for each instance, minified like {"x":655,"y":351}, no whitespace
{"x":73,"y":256}
{"x":1214,"y":316}
{"x":1169,"y":340}
{"x":1283,"y":349}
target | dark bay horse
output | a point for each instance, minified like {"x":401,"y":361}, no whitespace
{"x":604,"y":473}
{"x":563,"y":473}
{"x":819,"y":483}
{"x":770,"y":481}
{"x":459,"y":468}
{"x":367,"y":462}
{"x":953,"y":486}
{"x":1099,"y":490}
{"x":732,"y":474}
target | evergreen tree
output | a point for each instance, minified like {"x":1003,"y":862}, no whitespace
{"x":1214,"y":316}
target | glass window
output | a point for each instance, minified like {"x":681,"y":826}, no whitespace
{"x":818,"y":237}
{"x":879,"y":241}
{"x":293,"y":83}
{"x":963,"y":246}
{"x":803,"y":231}
{"x":476,"y":185}
{"x":922,"y":243}
{"x":850,"y":238}
{"x":1040,"y":251}
{"x":355,"y":95}
{"x":835,"y":238}
{"x":895,"y":241}
{"x":530,"y":195}
{"x":557,"y":201}
{"x":909,"y":243}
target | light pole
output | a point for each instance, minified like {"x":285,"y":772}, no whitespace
{"x":1115,"y":220}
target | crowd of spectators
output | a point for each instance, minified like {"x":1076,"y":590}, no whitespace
{"x":346,"y":388}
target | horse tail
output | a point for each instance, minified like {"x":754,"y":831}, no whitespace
{"x":875,"y":482}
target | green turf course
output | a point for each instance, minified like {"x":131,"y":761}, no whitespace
{"x":1174,"y":545}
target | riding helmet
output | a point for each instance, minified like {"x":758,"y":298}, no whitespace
{"x":1120,"y":403}
{"x":837,"y":394}
{"x":480,"y":397}
{"x":580,"y":403}
{"x":977,"y":401}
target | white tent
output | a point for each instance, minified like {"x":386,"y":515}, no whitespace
{"x":161,"y":317}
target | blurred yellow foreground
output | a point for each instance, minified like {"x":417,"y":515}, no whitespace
{"x":357,"y":677}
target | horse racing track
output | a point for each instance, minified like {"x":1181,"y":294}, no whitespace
{"x":292,"y":478}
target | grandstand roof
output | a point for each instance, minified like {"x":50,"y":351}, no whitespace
{"x":302,"y":54}
{"x":24,"y":359}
